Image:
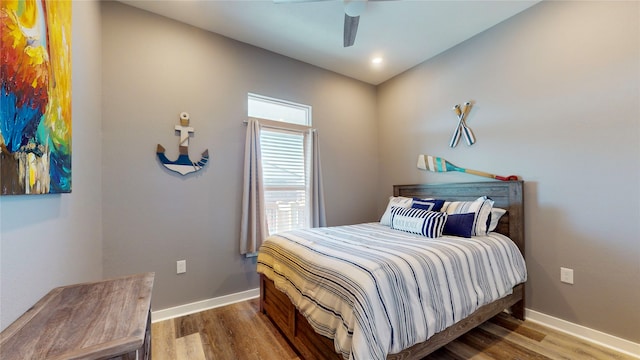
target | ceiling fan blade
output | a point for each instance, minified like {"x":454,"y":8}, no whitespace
{"x":350,"y":29}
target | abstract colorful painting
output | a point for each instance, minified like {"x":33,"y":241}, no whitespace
{"x":35,"y":96}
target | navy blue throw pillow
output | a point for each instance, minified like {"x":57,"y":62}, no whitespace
{"x":459,"y":225}
{"x":427,"y":204}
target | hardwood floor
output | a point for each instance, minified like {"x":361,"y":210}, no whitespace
{"x":239,"y":331}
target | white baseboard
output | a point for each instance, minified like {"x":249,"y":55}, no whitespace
{"x":621,"y":345}
{"x":624,"y":346}
{"x":203,"y":305}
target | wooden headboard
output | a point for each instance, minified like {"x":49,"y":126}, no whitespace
{"x":506,"y":194}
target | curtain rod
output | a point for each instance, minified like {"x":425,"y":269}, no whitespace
{"x":275,"y":124}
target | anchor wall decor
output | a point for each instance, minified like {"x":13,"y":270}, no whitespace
{"x":183,"y":164}
{"x":462,"y":128}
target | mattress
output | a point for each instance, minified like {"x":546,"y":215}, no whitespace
{"x":377,"y":291}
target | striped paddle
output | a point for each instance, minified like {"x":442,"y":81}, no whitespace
{"x":437,"y":164}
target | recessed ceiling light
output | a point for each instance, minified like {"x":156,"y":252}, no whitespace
{"x":376,"y":60}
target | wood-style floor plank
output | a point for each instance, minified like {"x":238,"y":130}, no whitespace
{"x":190,"y":347}
{"x":239,"y":331}
{"x":576,"y":348}
{"x":458,"y":350}
{"x":497,"y":347}
{"x":187,"y":325}
{"x":163,"y":339}
{"x":510,"y":323}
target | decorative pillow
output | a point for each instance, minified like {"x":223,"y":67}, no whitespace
{"x":494,"y":218}
{"x":427,"y":204}
{"x":418,"y":221}
{"x":399,"y":201}
{"x":459,"y":225}
{"x":481,"y":207}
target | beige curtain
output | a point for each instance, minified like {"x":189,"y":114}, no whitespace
{"x":316,"y":193}
{"x":253,"y":228}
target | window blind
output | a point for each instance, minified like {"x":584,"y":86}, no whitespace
{"x":284,"y":179}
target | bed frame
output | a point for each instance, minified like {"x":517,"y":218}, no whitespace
{"x":310,"y":345}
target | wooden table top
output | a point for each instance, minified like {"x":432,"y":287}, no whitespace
{"x":84,"y":321}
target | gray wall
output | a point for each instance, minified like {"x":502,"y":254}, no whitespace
{"x":52,"y":240}
{"x":557,"y":102}
{"x":153,"y":69}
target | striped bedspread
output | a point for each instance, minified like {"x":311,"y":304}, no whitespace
{"x":377,"y":291}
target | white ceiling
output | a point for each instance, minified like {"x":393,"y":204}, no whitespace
{"x":404,"y":33}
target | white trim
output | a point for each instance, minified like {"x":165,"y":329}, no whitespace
{"x":203,"y":305}
{"x":594,"y":336}
{"x":618,"y":344}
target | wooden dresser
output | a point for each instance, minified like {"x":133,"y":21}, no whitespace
{"x":109,"y":319}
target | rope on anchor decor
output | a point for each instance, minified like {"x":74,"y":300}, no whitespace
{"x":183,"y":164}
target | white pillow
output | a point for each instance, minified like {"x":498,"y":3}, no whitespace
{"x":481,"y":207}
{"x":399,"y":201}
{"x":496,"y":214}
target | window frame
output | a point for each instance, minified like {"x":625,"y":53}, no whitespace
{"x":284,"y":126}
{"x":304,"y":131}
{"x":308,"y":109}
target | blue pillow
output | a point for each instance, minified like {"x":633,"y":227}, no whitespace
{"x":427,"y":204}
{"x":418,"y":221}
{"x":459,"y":225}
{"x":481,"y":207}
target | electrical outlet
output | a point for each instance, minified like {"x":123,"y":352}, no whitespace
{"x":181,"y":266}
{"x":566,"y":275}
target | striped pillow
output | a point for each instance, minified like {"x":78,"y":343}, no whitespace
{"x":481,"y":207}
{"x":418,"y":221}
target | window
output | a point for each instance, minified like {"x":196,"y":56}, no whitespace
{"x":284,"y":161}
{"x":280,"y":110}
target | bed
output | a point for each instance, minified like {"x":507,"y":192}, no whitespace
{"x":307,"y":339}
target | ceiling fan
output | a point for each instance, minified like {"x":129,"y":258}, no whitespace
{"x":352,"y":11}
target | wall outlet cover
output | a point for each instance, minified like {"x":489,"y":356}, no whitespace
{"x":566,"y":275}
{"x":181,"y":266}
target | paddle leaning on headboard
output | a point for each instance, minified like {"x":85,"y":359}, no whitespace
{"x":438,"y":164}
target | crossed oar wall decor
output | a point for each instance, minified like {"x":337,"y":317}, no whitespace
{"x":462,"y":129}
